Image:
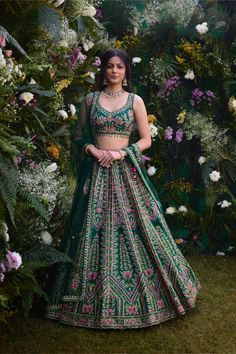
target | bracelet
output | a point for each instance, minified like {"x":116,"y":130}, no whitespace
{"x":86,"y":149}
{"x":122,"y":155}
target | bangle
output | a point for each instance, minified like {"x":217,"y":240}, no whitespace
{"x":122,"y":154}
{"x":86,"y":149}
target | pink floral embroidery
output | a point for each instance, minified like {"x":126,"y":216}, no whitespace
{"x":131,"y":310}
{"x":149,"y":271}
{"x":87,"y":308}
{"x":92,"y":275}
{"x":108,"y":312}
{"x":128,"y":210}
{"x":99,"y":210}
{"x":161,"y":303}
{"x":127,"y":274}
{"x":75,"y":282}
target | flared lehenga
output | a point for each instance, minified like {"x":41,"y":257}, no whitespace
{"x":128,"y":271}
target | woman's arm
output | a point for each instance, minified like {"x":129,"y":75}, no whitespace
{"x":142,"y":123}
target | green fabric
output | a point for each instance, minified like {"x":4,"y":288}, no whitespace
{"x":127,"y":270}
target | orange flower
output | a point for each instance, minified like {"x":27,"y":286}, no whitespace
{"x":54,"y":151}
{"x":151,"y":118}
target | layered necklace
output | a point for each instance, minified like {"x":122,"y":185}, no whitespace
{"x":108,"y":93}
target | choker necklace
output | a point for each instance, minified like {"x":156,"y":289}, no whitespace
{"x":111,"y":94}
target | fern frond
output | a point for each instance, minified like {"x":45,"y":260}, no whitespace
{"x":8,"y":185}
{"x":34,"y":201}
{"x":46,"y":253}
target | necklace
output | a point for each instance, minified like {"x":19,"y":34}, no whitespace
{"x":108,"y":93}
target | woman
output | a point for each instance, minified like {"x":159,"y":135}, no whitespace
{"x":127,"y":270}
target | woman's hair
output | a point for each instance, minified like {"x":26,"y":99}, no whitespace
{"x":122,"y":54}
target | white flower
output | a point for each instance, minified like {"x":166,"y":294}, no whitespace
{"x":201,"y":160}
{"x":6,"y":236}
{"x":62,"y":113}
{"x":234,"y":104}
{"x":2,"y":62}
{"x":26,"y":96}
{"x":32,"y":82}
{"x":46,"y":237}
{"x":87,"y":44}
{"x":89,"y":11}
{"x":151,"y":170}
{"x":91,"y":74}
{"x":224,"y":204}
{"x":153,"y":130}
{"x":51,"y":168}
{"x":182,"y":208}
{"x":220,"y":253}
{"x":72,"y":109}
{"x":58,"y":3}
{"x":63,"y":43}
{"x":202,"y":28}
{"x":190,"y":75}
{"x":214,"y":176}
{"x":136,"y":60}
{"x":170,"y":210}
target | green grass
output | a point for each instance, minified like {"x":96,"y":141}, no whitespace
{"x":208,"y":328}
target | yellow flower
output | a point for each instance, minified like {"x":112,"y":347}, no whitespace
{"x":180,"y":60}
{"x":232,"y":105}
{"x":118,"y":44}
{"x":60,"y":85}
{"x":54,"y":151}
{"x":181,"y":117}
{"x":179,"y":240}
{"x":151,"y":118}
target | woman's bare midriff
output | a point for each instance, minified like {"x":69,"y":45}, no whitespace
{"x":112,"y":143}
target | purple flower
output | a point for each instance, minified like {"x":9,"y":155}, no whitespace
{"x":76,"y":57}
{"x":179,"y":135}
{"x":210,"y":94}
{"x":198,"y":95}
{"x":2,"y":276}
{"x":169,"y":85}
{"x":97,"y":62}
{"x":2,"y":267}
{"x":13,"y":260}
{"x":168,"y":133}
{"x":144,"y":158}
{"x":98,"y":14}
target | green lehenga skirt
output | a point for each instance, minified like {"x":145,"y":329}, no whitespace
{"x":128,"y":271}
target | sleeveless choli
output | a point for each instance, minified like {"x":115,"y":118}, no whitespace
{"x":128,"y":271}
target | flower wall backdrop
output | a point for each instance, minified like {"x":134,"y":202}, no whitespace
{"x":183,"y":64}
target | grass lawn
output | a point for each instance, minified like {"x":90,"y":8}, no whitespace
{"x":208,"y":328}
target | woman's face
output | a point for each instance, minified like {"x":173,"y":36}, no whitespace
{"x":115,"y":70}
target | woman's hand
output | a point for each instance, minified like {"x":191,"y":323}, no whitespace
{"x":105,"y":157}
{"x":108,"y":156}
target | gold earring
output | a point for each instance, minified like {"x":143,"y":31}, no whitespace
{"x":125,"y":82}
{"x":104,"y":82}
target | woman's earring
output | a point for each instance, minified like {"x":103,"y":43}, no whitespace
{"x":125,"y":82}
{"x":105,"y":82}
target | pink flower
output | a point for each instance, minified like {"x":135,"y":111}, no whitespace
{"x":13,"y":260}
{"x":134,"y":169}
{"x":2,"y":41}
{"x":8,"y":53}
{"x":128,"y":210}
{"x":99,"y":210}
